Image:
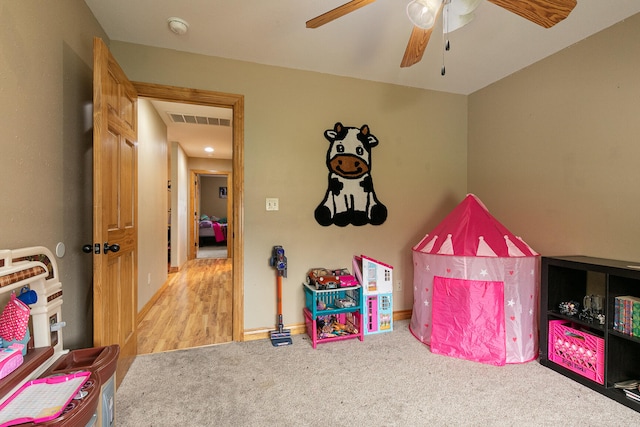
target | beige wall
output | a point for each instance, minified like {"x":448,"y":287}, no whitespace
{"x":210,"y":165}
{"x":179,"y":205}
{"x":153,"y":209}
{"x":419,"y":167}
{"x":554,"y":149}
{"x":46,"y":50}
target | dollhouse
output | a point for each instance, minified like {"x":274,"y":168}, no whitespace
{"x":376,"y":279}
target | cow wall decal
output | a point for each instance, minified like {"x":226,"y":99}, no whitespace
{"x":350,"y":198}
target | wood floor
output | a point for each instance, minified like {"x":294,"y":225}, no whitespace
{"x":193,"y":309}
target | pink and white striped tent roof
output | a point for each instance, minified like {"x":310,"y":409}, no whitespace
{"x":470,"y":230}
{"x":476,"y":289}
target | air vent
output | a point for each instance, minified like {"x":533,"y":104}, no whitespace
{"x":199,"y":120}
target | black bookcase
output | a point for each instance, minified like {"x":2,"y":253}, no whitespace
{"x":570,"y":278}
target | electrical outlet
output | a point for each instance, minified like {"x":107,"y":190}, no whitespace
{"x":149,"y":279}
{"x":398,"y":285}
{"x":272,"y":204}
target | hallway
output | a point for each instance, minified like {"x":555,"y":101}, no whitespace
{"x":193,"y":310}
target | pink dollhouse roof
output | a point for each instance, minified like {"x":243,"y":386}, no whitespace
{"x":470,"y":230}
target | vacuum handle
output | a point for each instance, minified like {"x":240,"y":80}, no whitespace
{"x":279,"y":285}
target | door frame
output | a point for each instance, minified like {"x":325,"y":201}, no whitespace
{"x":236,"y":233}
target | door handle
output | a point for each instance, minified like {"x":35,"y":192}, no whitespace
{"x":113,"y":248}
{"x":87,"y":249}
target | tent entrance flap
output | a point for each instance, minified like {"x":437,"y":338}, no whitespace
{"x":468,"y":320}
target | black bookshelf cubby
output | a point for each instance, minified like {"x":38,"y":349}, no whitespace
{"x":571,"y":278}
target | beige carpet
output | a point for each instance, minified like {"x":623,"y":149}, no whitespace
{"x":388,"y":379}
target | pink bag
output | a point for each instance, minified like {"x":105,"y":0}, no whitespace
{"x":14,"y":320}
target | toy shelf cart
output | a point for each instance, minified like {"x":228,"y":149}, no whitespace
{"x":326,"y":308}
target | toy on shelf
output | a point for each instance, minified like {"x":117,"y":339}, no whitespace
{"x":10,"y":359}
{"x":323,"y":278}
{"x":330,"y":327}
{"x":344,"y":302}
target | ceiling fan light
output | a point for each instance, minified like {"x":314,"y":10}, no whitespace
{"x":463,"y":7}
{"x":421,"y":14}
{"x":456,"y":21}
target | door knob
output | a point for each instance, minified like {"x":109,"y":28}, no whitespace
{"x":87,"y":249}
{"x":113,"y":248}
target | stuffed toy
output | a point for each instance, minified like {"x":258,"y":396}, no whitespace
{"x":350,"y":198}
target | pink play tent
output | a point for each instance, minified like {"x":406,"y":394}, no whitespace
{"x":476,"y":289}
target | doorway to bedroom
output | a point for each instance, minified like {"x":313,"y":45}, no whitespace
{"x":211,"y":212}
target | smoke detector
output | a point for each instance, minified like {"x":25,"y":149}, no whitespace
{"x":178,"y":26}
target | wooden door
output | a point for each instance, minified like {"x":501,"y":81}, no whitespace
{"x":194,"y":212}
{"x":115,"y":294}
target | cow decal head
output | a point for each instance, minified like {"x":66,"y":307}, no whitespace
{"x":350,"y":198}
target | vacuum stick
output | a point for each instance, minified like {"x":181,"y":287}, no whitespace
{"x":280,"y":336}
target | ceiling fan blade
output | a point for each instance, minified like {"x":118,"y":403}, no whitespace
{"x":337,"y":13}
{"x":418,"y":43}
{"x":545,"y":13}
{"x":416,"y":46}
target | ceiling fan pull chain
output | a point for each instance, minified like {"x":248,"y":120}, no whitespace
{"x":445,"y":27}
{"x":445,"y":34}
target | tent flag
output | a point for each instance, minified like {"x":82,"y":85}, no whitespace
{"x":513,"y":249}
{"x":447,"y":247}
{"x":484,"y":249}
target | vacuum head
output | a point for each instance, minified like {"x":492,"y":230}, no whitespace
{"x":281,"y":337}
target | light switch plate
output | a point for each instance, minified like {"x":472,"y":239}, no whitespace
{"x":272,"y":204}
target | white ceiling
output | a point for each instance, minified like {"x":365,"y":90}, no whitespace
{"x":194,"y":138}
{"x":367,"y":44}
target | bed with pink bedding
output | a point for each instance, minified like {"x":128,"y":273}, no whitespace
{"x":212,"y":231}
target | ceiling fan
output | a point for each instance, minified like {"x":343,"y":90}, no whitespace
{"x":424,"y":13}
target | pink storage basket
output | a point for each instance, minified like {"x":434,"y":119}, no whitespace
{"x":578,"y":351}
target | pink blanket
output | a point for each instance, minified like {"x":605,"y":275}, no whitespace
{"x":217,"y":232}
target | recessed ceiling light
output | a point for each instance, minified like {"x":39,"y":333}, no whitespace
{"x":208,"y":149}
